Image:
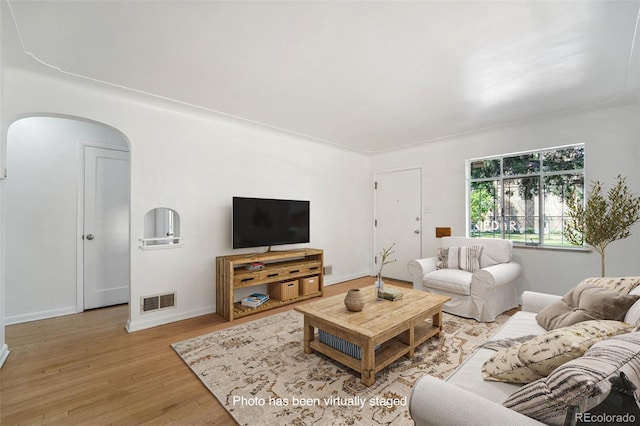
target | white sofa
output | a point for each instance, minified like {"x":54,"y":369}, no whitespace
{"x":465,"y":398}
{"x":481,"y":295}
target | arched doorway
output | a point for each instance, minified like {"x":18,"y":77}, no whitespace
{"x":48,"y":254}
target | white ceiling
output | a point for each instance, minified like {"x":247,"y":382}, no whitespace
{"x":370,"y":76}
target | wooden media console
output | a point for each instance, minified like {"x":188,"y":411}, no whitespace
{"x":280,"y":267}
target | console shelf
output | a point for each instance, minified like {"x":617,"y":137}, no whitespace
{"x":280,"y":266}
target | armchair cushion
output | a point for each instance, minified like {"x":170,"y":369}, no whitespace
{"x":451,"y":280}
{"x":466,"y":258}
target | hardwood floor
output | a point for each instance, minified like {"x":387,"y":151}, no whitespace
{"x":86,"y":369}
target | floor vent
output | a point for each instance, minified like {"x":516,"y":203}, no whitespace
{"x":157,"y":302}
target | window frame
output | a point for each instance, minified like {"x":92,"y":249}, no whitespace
{"x":540,"y":174}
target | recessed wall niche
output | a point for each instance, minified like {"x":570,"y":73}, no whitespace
{"x":161,"y":229}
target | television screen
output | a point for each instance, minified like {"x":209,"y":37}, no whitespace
{"x":258,"y":222}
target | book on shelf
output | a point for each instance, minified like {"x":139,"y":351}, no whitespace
{"x":254,"y":300}
{"x":255,"y":266}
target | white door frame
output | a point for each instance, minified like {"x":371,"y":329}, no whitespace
{"x":375,"y":213}
{"x":82,"y":144}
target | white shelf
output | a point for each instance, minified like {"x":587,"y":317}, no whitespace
{"x":160,"y":243}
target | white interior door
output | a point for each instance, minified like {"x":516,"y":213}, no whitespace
{"x":398,"y":219}
{"x":106,"y":227}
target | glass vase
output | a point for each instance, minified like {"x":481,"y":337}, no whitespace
{"x":379,"y":289}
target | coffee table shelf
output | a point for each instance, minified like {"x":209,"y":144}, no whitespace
{"x":422,"y":332}
{"x":388,"y":352}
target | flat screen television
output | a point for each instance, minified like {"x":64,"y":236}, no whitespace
{"x":259,"y":222}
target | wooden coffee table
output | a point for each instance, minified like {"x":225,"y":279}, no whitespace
{"x":396,"y":326}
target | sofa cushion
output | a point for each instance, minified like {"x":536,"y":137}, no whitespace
{"x":468,"y":376}
{"x":466,"y":258}
{"x":450,"y":280}
{"x":586,"y":301}
{"x":581,"y":382}
{"x":539,"y":356}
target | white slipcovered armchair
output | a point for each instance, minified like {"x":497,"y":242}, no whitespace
{"x":483,"y":294}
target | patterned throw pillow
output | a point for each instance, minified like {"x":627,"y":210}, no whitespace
{"x":622,"y":285}
{"x":465,"y":258}
{"x":506,"y":366}
{"x":582,"y":382}
{"x":538,"y":357}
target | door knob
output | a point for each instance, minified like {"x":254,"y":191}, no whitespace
{"x":416,"y":231}
{"x":90,"y":237}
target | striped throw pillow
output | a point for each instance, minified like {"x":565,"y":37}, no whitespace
{"x":465,"y":258}
{"x":581,"y":383}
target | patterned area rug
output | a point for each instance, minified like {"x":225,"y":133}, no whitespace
{"x":261,"y":375}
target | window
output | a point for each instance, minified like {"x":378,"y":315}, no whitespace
{"x":523,"y":196}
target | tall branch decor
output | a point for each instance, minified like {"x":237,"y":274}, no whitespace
{"x":602,"y":219}
{"x":384,"y":254}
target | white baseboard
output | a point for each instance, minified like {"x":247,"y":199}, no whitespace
{"x":4,"y":354}
{"x":160,"y":318}
{"x":34,"y":316}
{"x":336,"y":280}
{"x":155,"y":319}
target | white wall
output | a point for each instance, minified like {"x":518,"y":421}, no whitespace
{"x":45,"y":155}
{"x":611,"y":136}
{"x":194,"y":163}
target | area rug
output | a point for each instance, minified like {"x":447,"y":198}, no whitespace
{"x":261,"y":375}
